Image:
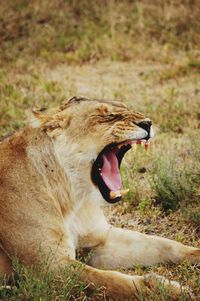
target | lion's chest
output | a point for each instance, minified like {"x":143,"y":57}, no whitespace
{"x":85,"y":224}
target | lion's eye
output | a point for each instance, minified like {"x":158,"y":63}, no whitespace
{"x":114,"y":117}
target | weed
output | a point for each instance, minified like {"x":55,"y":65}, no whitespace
{"x":144,"y":205}
{"x":175,"y":180}
{"x":192,"y":214}
{"x":171,"y":183}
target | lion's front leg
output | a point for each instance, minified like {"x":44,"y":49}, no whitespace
{"x":120,"y":286}
{"x":124,"y":248}
{"x":116,"y":285}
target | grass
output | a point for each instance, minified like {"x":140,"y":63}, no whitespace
{"x":174,"y":180}
{"x":40,"y":284}
{"x":145,"y":54}
{"x":172,"y":184}
{"x":67,"y":31}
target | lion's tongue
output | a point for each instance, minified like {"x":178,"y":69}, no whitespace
{"x":110,"y":171}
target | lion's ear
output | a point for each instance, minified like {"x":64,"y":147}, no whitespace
{"x":33,"y":118}
{"x":40,"y":118}
{"x":48,"y":119}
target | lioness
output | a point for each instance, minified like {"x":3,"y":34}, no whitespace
{"x":55,"y":175}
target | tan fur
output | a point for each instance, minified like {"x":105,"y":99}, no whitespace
{"x":48,"y":201}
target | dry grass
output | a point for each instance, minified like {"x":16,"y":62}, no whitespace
{"x":71,"y":31}
{"x":160,"y":41}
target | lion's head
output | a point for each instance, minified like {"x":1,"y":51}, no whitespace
{"x":92,"y":136}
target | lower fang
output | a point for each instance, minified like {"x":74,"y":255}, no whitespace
{"x":123,"y":192}
{"x":115,"y":194}
{"x":118,"y":193}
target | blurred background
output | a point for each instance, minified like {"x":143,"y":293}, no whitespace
{"x":84,"y":31}
{"x":144,"y":53}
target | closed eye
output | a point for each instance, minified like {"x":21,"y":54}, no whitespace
{"x":113,"y":117}
{"x":110,"y":118}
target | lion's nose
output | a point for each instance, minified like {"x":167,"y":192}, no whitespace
{"x":146,"y":125}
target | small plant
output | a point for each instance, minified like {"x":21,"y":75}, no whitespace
{"x":172,"y":183}
{"x":144,"y":205}
{"x":192,"y":214}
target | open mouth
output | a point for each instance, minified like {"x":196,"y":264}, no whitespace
{"x":106,"y":170}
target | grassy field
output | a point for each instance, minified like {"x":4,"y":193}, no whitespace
{"x":144,"y":53}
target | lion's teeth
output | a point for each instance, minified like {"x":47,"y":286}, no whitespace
{"x":146,"y":145}
{"x":134,"y":147}
{"x":114,"y":194}
{"x":118,"y":193}
{"x":123,"y":192}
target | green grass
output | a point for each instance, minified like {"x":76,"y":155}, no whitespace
{"x":40,"y":284}
{"x":175,"y":178}
{"x":172,"y":183}
{"x":145,"y":54}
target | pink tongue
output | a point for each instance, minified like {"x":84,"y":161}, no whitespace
{"x":110,"y":171}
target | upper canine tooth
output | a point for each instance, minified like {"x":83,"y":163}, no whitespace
{"x":146,"y":145}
